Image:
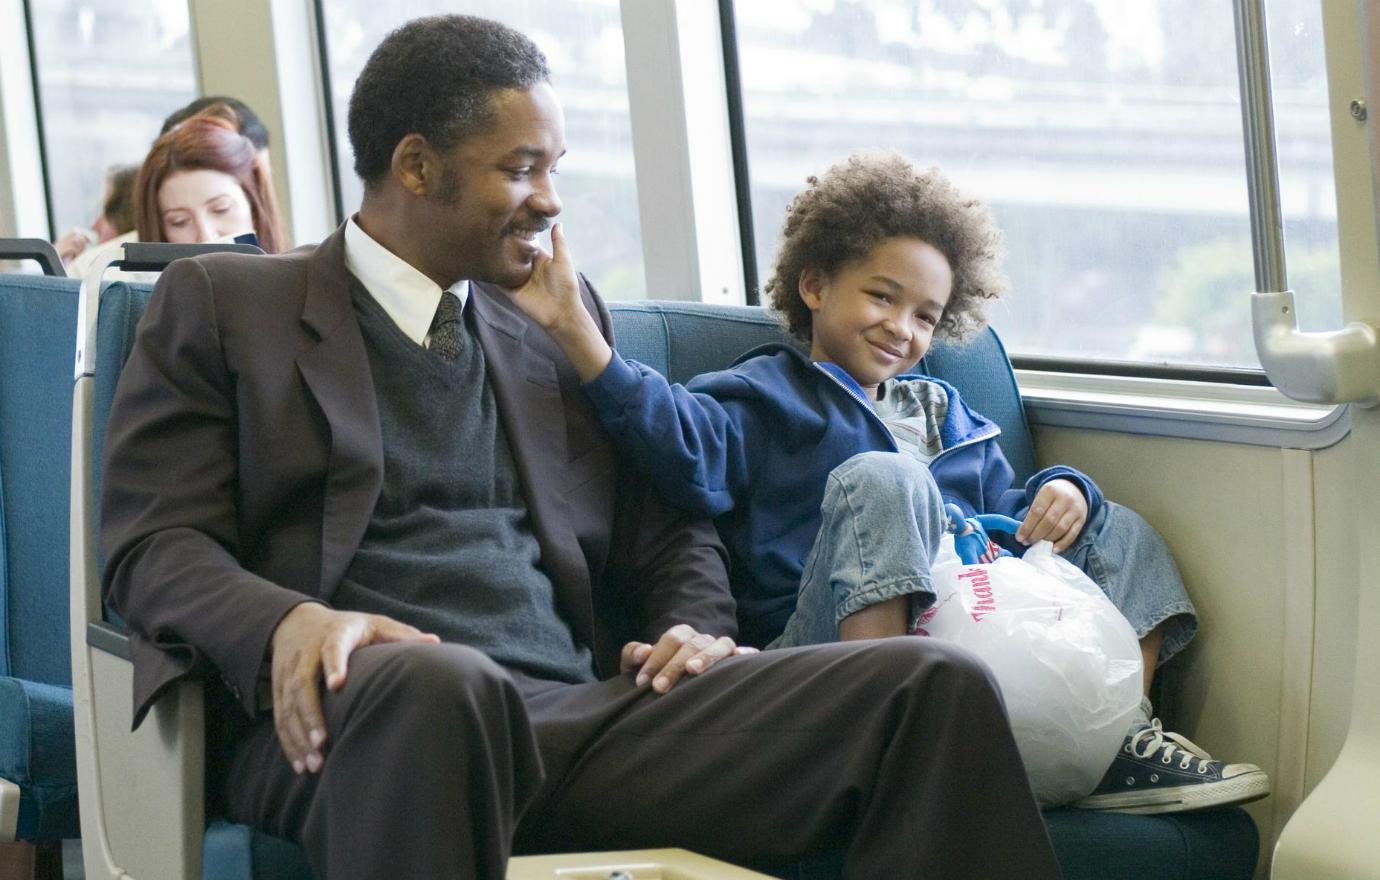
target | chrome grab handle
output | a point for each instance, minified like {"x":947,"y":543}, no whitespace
{"x":1338,"y":366}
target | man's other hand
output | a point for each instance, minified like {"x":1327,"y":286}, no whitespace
{"x":681,"y":650}
{"x":312,"y":642}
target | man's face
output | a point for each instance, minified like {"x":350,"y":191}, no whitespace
{"x":498,"y":191}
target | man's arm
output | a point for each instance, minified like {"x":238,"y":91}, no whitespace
{"x":171,"y":525}
{"x":168,"y":511}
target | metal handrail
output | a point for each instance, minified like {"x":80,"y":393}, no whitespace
{"x":37,"y":249}
{"x":1338,"y":366}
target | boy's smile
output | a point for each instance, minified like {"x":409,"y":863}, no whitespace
{"x":875,"y":318}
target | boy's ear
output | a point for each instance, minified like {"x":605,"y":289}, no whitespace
{"x":812,"y":284}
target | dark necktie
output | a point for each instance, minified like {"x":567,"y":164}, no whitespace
{"x":447,"y":329}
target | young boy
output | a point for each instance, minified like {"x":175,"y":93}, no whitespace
{"x":827,"y":473}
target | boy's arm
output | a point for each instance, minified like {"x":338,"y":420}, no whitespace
{"x":1001,"y":496}
{"x":688,"y":444}
{"x":1091,"y":493}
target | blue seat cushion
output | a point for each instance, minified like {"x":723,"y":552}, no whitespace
{"x":38,"y":342}
{"x":238,"y":852}
{"x":1203,"y":845}
{"x":38,"y":753}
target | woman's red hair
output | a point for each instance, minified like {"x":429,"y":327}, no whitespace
{"x":209,"y":140}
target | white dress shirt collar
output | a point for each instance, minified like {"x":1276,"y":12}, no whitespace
{"x":406,"y":295}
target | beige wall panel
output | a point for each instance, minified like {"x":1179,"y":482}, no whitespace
{"x":1335,"y":642}
{"x":1221,"y":508}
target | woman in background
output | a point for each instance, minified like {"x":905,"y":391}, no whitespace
{"x":204,"y":181}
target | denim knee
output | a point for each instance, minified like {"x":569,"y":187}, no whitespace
{"x":883,"y":475}
{"x":1126,"y":556}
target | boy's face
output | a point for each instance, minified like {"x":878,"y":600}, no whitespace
{"x":875,"y":318}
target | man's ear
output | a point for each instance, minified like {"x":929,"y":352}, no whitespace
{"x":416,"y":165}
{"x":812,"y":285}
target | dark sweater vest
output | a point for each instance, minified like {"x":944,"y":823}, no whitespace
{"x":449,"y":548}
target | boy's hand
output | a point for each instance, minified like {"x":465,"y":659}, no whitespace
{"x":551,"y":297}
{"x":681,"y":650}
{"x":1058,"y":515}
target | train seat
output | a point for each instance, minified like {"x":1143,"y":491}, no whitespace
{"x":681,"y":340}
{"x":38,"y":779}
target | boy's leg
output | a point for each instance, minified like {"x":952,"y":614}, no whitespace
{"x":1127,"y":558}
{"x":896,"y":752}
{"x":1155,"y":771}
{"x":882,"y":518}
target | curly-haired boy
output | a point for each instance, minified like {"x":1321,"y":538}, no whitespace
{"x":827,"y":472}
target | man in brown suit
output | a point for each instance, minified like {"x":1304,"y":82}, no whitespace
{"x":445,"y":622}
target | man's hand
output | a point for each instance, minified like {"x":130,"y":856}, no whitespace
{"x":311,"y":641}
{"x":551,"y":297}
{"x":1058,"y":515}
{"x":680,"y":651}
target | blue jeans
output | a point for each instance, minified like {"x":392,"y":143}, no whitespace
{"x":882,"y":518}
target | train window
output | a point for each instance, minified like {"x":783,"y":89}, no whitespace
{"x":583,"y":42}
{"x":109,"y":71}
{"x":1106,"y":136}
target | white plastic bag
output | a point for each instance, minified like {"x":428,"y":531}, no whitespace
{"x":1068,"y":663}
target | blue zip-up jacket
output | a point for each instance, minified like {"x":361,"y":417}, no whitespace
{"x":752,"y":447}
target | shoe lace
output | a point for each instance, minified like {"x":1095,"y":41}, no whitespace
{"x":1153,"y":738}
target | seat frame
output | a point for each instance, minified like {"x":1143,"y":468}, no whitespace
{"x":141,"y":792}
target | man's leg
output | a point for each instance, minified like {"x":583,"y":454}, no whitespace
{"x":429,"y":761}
{"x":896,"y":751}
{"x":881,"y":521}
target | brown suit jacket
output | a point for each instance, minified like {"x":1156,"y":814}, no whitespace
{"x":243,"y":460}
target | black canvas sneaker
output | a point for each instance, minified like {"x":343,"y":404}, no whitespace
{"x":1159,"y":772}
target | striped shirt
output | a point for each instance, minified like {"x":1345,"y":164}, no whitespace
{"x":914,"y":410}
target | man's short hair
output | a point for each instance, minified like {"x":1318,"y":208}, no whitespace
{"x":434,"y":77}
{"x":251,"y":126}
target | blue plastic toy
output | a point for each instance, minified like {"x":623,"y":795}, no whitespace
{"x":970,"y":534}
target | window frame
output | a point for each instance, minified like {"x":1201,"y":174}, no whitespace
{"x":1244,"y":377}
{"x":26,"y":207}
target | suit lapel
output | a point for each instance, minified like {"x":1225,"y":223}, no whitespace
{"x":337,"y":374}
{"x":527,"y":391}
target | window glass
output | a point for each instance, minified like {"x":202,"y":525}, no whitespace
{"x":1106,"y":137}
{"x":109,"y":72}
{"x":583,"y":43}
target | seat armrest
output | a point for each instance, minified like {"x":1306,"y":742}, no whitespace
{"x":9,"y":810}
{"x":141,"y":793}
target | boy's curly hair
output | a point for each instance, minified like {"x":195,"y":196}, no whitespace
{"x":871,"y":197}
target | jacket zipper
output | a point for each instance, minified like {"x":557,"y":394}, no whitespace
{"x":873,"y":413}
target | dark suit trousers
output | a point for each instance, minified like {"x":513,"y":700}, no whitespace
{"x":440,"y":763}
